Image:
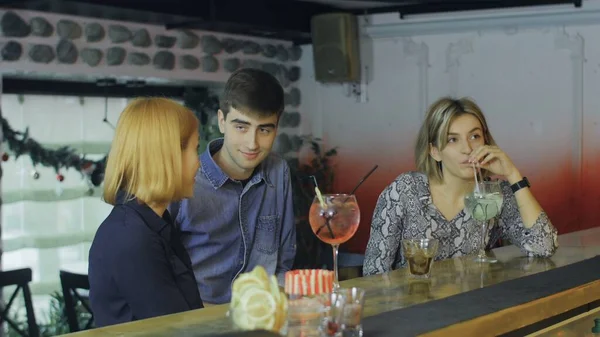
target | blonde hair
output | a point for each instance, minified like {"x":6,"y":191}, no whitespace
{"x":145,"y":159}
{"x":435,"y":128}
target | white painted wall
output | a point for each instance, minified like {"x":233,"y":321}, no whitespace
{"x":538,"y":85}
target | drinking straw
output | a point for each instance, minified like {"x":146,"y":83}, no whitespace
{"x":362,"y":181}
{"x":324,"y":207}
{"x":364,"y":178}
{"x":476,"y":181}
{"x":319,"y":195}
{"x":481,"y":178}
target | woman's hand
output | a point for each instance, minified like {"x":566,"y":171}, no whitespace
{"x":493,"y":159}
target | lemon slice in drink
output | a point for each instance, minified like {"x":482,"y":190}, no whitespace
{"x":281,"y":301}
{"x":261,"y":273}
{"x":257,"y":302}
{"x":248,"y":281}
{"x":245,"y":281}
{"x":256,"y":310}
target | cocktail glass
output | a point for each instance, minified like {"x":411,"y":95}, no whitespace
{"x":484,"y":204}
{"x":334,"y":219}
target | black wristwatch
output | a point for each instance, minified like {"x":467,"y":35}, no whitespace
{"x":520,"y":184}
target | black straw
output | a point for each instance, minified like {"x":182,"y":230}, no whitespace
{"x":327,"y":220}
{"x":364,"y":178}
{"x":361,"y":181}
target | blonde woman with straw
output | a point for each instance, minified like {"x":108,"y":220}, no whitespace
{"x":138,"y":267}
{"x":429,"y":204}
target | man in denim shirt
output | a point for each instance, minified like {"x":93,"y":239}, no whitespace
{"x":241,"y":214}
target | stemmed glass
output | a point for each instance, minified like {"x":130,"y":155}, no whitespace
{"x":334,"y":219}
{"x":484,"y":204}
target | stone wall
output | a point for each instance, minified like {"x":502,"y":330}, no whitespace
{"x":59,"y":45}
{"x":79,"y":48}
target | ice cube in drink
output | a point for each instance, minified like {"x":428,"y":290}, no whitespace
{"x":337,"y":224}
{"x":419,"y":255}
{"x":352,"y":315}
{"x":483,"y":207}
{"x":419,"y":264}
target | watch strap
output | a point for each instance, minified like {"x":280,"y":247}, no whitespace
{"x":520,"y":184}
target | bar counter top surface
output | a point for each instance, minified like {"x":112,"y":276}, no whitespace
{"x":578,"y":326}
{"x":391,"y":291}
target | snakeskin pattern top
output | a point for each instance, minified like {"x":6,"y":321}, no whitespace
{"x":405,"y":210}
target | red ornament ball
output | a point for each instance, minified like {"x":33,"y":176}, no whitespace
{"x":5,"y":157}
{"x":60,"y":177}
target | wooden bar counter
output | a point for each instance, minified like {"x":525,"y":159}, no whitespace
{"x":398,"y":290}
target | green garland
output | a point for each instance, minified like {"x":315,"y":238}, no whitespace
{"x":20,"y":143}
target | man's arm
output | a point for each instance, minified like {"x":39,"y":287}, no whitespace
{"x":287,"y":249}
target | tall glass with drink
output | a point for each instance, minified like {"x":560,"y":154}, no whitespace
{"x":334,"y":219}
{"x":484,"y":204}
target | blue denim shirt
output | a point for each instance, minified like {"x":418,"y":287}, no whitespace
{"x":229,"y":229}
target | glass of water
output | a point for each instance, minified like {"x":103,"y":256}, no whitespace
{"x":351,"y":318}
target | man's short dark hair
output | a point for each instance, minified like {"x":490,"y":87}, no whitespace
{"x":252,"y":91}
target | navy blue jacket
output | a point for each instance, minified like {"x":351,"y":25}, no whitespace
{"x":138,"y":267}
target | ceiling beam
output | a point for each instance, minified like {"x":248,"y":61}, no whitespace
{"x":268,"y":18}
{"x":95,"y":9}
{"x":470,"y":5}
{"x":28,"y":86}
{"x":282,"y":19}
{"x":404,"y":7}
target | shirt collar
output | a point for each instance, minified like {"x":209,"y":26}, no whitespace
{"x":153,"y":221}
{"x":217,"y":176}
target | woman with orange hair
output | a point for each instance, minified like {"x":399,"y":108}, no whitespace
{"x":138,"y":267}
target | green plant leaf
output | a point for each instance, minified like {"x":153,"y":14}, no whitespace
{"x":331,"y":152}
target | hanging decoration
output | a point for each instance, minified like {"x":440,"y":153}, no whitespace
{"x":64,"y":158}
